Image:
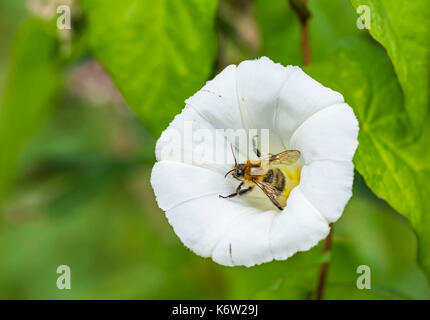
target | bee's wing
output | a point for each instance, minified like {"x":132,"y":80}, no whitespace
{"x":287,"y":157}
{"x":276,"y":196}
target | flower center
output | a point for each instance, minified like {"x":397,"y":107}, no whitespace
{"x":292,"y":177}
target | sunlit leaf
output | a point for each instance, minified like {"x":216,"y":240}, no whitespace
{"x":403,"y":28}
{"x":158,"y":52}
{"x":394,"y":168}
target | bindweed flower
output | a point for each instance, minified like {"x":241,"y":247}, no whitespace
{"x":286,"y":110}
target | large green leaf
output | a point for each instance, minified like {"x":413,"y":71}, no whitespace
{"x":395,"y":169}
{"x":32,"y":84}
{"x":330,"y":21}
{"x":158,"y":52}
{"x":403,"y":28}
{"x":394,"y":162}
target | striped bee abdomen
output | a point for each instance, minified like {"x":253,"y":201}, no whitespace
{"x":276,"y":178}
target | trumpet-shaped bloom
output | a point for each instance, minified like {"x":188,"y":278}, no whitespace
{"x":193,"y":155}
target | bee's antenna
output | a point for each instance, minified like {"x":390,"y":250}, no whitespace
{"x":228,"y":173}
{"x":234,"y":156}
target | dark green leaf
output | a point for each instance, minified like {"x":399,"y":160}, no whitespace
{"x":32,"y":83}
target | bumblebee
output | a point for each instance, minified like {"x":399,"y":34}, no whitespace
{"x":275,"y":175}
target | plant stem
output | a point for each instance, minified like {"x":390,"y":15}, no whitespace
{"x":300,"y":7}
{"x":324,"y":266}
{"x":303,"y":14}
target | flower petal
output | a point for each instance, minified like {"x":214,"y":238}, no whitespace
{"x":300,"y":97}
{"x":258,"y":85}
{"x":193,"y":140}
{"x":176,"y":182}
{"x":328,"y":186}
{"x":246,"y":242}
{"x":298,"y":228}
{"x":217,"y":101}
{"x":330,"y":134}
{"x":202,"y":223}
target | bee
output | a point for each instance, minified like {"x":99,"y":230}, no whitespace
{"x":270,"y":174}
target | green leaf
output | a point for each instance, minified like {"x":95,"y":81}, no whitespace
{"x":158,"y":52}
{"x":394,"y":162}
{"x":394,"y":168}
{"x":330,"y":21}
{"x":403,"y":28}
{"x":32,"y":84}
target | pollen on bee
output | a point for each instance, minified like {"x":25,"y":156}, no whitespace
{"x":258,"y":167}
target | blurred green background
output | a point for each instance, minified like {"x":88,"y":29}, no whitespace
{"x":82,"y":198}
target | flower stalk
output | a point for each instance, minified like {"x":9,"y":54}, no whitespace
{"x":324,"y":266}
{"x":302,"y":12}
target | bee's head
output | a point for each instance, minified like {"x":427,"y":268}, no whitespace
{"x":237,"y":172}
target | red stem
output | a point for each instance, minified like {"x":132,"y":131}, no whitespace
{"x":302,"y":12}
{"x":324,"y":267}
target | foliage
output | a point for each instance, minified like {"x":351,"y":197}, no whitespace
{"x":403,"y":28}
{"x":392,"y":159}
{"x":394,"y":168}
{"x":33,"y":82}
{"x":158,"y":52}
{"x":331,"y":20}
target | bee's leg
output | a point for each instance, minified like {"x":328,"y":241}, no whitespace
{"x":243,"y":191}
{"x":254,"y":145}
{"x":238,"y":191}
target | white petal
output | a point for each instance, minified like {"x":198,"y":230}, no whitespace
{"x":298,"y":228}
{"x":258,"y":84}
{"x":330,"y":134}
{"x":300,"y":97}
{"x":202,"y":223}
{"x":176,"y":182}
{"x":217,"y":101}
{"x":191,"y":139}
{"x":246,"y":242}
{"x":328,"y":186}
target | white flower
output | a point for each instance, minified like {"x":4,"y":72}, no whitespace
{"x":300,"y":114}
